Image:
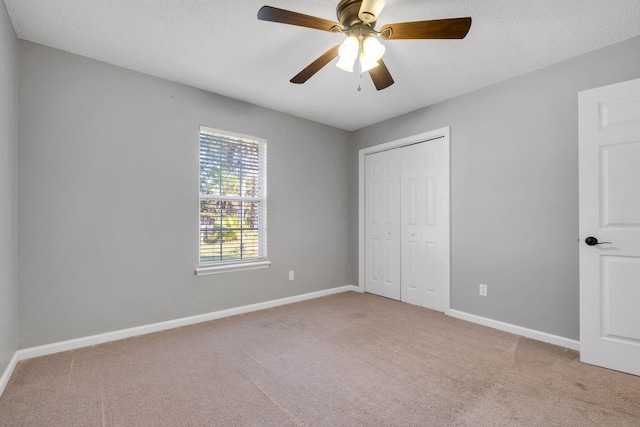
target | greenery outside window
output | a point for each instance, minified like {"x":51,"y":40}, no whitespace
{"x":233,"y":208}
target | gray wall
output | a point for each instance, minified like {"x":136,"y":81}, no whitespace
{"x":514,"y":185}
{"x":107,"y":177}
{"x":8,"y":188}
{"x":108,"y":206}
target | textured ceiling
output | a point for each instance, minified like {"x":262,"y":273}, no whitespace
{"x":220,"y":46}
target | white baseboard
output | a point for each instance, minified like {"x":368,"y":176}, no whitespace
{"x":4,"y":379}
{"x":58,"y":347}
{"x":518,"y":330}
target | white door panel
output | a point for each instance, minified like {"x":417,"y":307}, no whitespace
{"x":424,"y":225}
{"x":382,"y":198}
{"x":610,"y":212}
{"x":621,"y":294}
{"x":620,"y":191}
{"x":412,"y":255}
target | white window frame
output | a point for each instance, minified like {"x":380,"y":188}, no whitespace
{"x":238,"y":265}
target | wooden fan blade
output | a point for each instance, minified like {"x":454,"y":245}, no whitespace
{"x":273,"y":14}
{"x":455,"y":28}
{"x":381,"y":76}
{"x":316,"y":65}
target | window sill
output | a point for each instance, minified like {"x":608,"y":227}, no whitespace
{"x":227,"y":268}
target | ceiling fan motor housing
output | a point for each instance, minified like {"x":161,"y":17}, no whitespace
{"x":347,"y":12}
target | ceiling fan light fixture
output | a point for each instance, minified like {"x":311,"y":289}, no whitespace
{"x":372,"y":49}
{"x":346,"y":64}
{"x":348,"y":51}
{"x":367,"y":63}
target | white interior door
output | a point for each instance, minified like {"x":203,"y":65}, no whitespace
{"x":610,"y":212}
{"x":382,"y":200}
{"x":425,"y":223}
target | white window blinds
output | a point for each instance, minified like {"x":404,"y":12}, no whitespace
{"x":233,"y":191}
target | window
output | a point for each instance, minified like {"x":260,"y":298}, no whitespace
{"x":233,"y":209}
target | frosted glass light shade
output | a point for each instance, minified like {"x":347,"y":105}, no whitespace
{"x":372,"y":49}
{"x":348,"y":51}
{"x":366,"y":63}
{"x":346,"y":64}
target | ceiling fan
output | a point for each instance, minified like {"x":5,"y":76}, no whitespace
{"x":362,"y":47}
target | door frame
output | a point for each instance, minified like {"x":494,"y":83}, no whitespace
{"x":443,"y":133}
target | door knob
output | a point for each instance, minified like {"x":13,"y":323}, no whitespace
{"x":592,"y":241}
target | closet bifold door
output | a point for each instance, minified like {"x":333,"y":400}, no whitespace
{"x":382,"y":223}
{"x":424,"y":223}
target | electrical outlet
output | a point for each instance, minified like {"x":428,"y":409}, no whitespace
{"x":291,"y":275}
{"x":483,"y":290}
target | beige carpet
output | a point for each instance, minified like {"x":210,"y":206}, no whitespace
{"x":344,"y":360}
